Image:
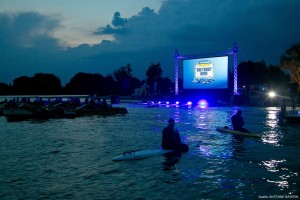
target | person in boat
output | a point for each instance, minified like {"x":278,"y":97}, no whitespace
{"x":104,"y":103}
{"x":237,"y":121}
{"x":171,"y":138}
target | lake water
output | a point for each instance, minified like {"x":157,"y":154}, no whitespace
{"x":71,"y":158}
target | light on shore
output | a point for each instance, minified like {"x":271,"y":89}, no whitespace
{"x":272,"y":94}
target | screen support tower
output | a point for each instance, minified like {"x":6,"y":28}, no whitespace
{"x":235,"y":63}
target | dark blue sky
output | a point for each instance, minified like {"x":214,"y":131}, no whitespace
{"x":38,"y":40}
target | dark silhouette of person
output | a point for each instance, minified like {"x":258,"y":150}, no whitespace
{"x":293,"y":106}
{"x":282,"y":112}
{"x":171,"y":138}
{"x":238,"y":122}
{"x":104,"y":103}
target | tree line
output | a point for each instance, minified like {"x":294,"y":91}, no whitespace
{"x":121,"y":82}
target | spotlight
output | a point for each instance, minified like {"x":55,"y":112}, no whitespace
{"x":272,"y":94}
{"x":189,"y":103}
{"x":202,"y":103}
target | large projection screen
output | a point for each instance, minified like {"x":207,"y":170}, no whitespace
{"x":205,"y":73}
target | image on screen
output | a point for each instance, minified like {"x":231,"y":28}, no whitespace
{"x":205,"y":73}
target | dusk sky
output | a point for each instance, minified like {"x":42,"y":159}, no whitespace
{"x":100,"y":36}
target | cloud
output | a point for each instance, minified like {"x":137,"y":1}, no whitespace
{"x":134,"y":32}
{"x":263,"y":30}
{"x":27,"y":45}
{"x":110,"y":30}
{"x":207,"y":25}
{"x":118,"y":20}
{"x":30,"y":29}
{"x":117,"y":27}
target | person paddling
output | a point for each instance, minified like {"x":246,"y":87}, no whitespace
{"x":171,"y":138}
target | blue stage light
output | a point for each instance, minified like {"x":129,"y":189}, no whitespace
{"x":202,"y":103}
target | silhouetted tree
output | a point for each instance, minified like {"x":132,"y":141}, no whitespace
{"x":110,"y":85}
{"x":134,"y":83}
{"x":126,"y":83}
{"x":153,"y":74}
{"x":252,"y":73}
{"x":40,"y":83}
{"x":123,"y":76}
{"x":277,"y":78}
{"x":23,"y":85}
{"x":164,"y":86}
{"x":123,"y":73}
{"x":46,"y":84}
{"x":86,"y":83}
{"x":290,"y":61}
{"x":256,"y":75}
{"x":5,"y":89}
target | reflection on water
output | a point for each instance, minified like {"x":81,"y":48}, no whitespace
{"x":177,"y":115}
{"x":71,"y":159}
{"x":282,"y":184}
{"x":272,"y":165}
{"x":238,"y":146}
{"x":227,"y":149}
{"x":271,"y":118}
{"x":277,"y":166}
{"x":273,"y":134}
{"x":272,"y":137}
{"x":208,"y":119}
{"x":169,"y":164}
{"x":221,"y":146}
{"x":170,"y":160}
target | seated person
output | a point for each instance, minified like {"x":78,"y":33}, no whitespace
{"x":238,"y":122}
{"x":171,"y":138}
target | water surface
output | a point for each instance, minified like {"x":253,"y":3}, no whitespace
{"x":71,"y":158}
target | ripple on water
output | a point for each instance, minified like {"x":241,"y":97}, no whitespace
{"x":71,"y":158}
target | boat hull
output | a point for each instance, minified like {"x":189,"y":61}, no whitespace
{"x":292,"y":119}
{"x":102,"y":111}
{"x":17,"y":114}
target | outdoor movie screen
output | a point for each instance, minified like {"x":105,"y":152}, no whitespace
{"x":205,"y":73}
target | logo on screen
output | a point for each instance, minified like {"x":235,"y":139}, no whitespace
{"x":204,"y":72}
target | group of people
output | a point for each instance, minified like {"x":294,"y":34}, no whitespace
{"x":171,"y":138}
{"x":96,"y":102}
